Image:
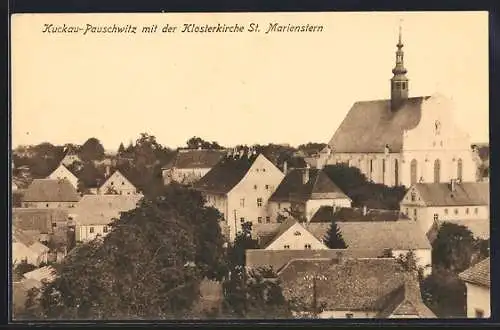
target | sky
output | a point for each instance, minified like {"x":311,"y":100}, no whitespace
{"x":236,"y":88}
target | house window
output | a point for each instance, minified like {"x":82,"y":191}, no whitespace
{"x":437,"y":171}
{"x":259,"y":219}
{"x":268,"y":219}
{"x":279,"y":206}
{"x":415,"y":213}
{"x":413,"y":196}
{"x":54,"y":225}
{"x":456,"y":211}
{"x":436,"y":217}
{"x":267,"y":187}
{"x":445,"y":211}
{"x":105,"y":229}
{"x":91,"y":230}
{"x":479,"y":313}
{"x":459,"y":169}
{"x":259,"y":202}
{"x":406,"y":211}
{"x":396,"y":172}
{"x":371,"y":167}
{"x":47,"y":205}
{"x":475,"y":210}
{"x":255,"y":187}
{"x":263,"y":170}
{"x":307,"y":246}
{"x":112,"y":183}
{"x":286,"y":246}
{"x":242,"y":220}
{"x":467,"y":211}
{"x":413,"y":171}
{"x":242,"y":202}
{"x":123,"y":183}
{"x":349,"y":315}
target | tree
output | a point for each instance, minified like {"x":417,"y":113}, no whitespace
{"x":242,"y":242}
{"x":333,"y":238}
{"x":453,"y":247}
{"x":89,"y":176}
{"x":121,"y":148}
{"x":311,"y":148}
{"x":197,"y":142}
{"x":92,"y":150}
{"x":147,"y":267}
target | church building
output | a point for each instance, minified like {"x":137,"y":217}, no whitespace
{"x":402,"y":140}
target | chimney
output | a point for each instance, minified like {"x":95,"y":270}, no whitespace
{"x":364,"y":210}
{"x":107,"y":171}
{"x":453,"y":184}
{"x":305,"y":175}
{"x":285,"y":167}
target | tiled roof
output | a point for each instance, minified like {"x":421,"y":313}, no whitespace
{"x":226,"y":174}
{"x":371,"y":125}
{"x":45,"y":273}
{"x":319,"y":186}
{"x":101,"y":209}
{"x":348,"y":284}
{"x":327,"y":214}
{"x":276,"y":259}
{"x":379,"y":235}
{"x":480,"y":228}
{"x":46,"y":190}
{"x":196,"y":159}
{"x":478,"y":274}
{"x":38,"y":219}
{"x":465,"y":194}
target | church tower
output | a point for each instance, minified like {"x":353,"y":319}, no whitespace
{"x":399,"y":81}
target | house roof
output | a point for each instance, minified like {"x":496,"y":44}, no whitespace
{"x":478,"y":274}
{"x":319,"y":186}
{"x":38,"y":219}
{"x":277,"y":259}
{"x":29,"y":239}
{"x":47,"y":190}
{"x":284,"y":226}
{"x":465,"y":194}
{"x":348,"y":284}
{"x":379,"y":235}
{"x":371,"y":125}
{"x":46,"y":273}
{"x":480,"y":228}
{"x":101,"y":209}
{"x":328,"y":213}
{"x":204,"y":158}
{"x":226,"y":174}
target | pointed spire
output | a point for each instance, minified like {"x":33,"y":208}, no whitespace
{"x":399,"y":81}
{"x":400,"y":42}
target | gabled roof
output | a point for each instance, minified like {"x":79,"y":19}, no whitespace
{"x":371,"y":125}
{"x":101,"y":209}
{"x":478,"y":274}
{"x":37,"y":219}
{"x":47,"y":190}
{"x":284,"y":226}
{"x":465,"y":194}
{"x":191,"y":158}
{"x":277,"y":259}
{"x":319,"y":186}
{"x":226,"y":174}
{"x":379,"y":235}
{"x":328,"y":213}
{"x":348,"y":285}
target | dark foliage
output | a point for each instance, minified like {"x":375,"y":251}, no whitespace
{"x":333,"y":238}
{"x":453,"y":248}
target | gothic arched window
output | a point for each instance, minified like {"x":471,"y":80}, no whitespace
{"x":459,"y":169}
{"x":413,"y":171}
{"x":396,"y":172}
{"x":437,"y":171}
{"x":383,"y":171}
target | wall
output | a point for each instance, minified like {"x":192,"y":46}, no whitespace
{"x":296,"y":242}
{"x":425,"y":145}
{"x":63,"y":173}
{"x":477,"y":298}
{"x":260,"y":182}
{"x":45,"y":205}
{"x":423,"y":258}
{"x":120,"y":184}
{"x":83,"y":233}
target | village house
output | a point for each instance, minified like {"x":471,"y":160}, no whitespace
{"x":343,"y":287}
{"x":27,"y":248}
{"x":402,"y":140}
{"x":477,"y":282}
{"x":117,"y":184}
{"x":432,"y":203}
{"x":239,"y":186}
{"x":190,"y":165}
{"x":49,"y":193}
{"x":94,"y":213}
{"x":291,"y":235}
{"x":304,"y":191}
{"x":62,"y":172}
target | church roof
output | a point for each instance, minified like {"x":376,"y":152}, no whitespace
{"x":371,"y":125}
{"x":319,"y":186}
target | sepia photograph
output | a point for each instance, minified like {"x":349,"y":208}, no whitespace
{"x":249,"y":166}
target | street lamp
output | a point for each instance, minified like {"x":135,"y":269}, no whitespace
{"x":312,"y":284}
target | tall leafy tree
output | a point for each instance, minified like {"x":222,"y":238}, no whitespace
{"x":453,"y":247}
{"x":121,"y":148}
{"x":91,"y":150}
